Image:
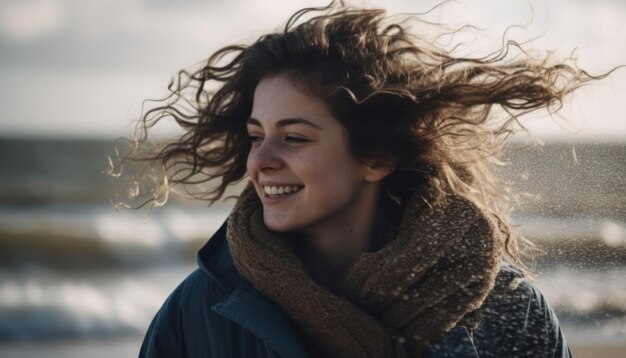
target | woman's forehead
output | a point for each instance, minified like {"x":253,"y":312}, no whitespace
{"x":278,"y":102}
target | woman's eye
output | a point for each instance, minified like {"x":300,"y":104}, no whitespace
{"x":295,"y":139}
{"x":254,"y":138}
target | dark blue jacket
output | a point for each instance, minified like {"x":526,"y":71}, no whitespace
{"x":214,"y":312}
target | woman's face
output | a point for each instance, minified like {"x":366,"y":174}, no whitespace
{"x":300,"y":161}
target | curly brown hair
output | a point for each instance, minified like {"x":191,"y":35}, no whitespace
{"x":399,"y":96}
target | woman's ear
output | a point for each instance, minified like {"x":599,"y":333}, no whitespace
{"x":379,"y":168}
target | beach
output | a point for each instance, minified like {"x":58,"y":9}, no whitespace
{"x":78,"y":278}
{"x":128,"y":348}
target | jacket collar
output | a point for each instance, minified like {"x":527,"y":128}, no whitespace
{"x":244,"y":305}
{"x":247,"y":307}
{"x":215,"y":260}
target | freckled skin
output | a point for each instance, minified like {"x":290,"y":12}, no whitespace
{"x":338,"y":189}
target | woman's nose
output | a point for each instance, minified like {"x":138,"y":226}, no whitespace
{"x":265,"y":156}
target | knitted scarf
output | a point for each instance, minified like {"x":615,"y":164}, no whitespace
{"x":437,"y":271}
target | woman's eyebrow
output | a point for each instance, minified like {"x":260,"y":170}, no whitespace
{"x":285,"y":122}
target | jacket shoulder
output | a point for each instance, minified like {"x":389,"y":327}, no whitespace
{"x":185,"y":316}
{"x":518,"y":321}
{"x":196,"y":320}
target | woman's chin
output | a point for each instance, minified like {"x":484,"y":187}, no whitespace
{"x":277,"y":225}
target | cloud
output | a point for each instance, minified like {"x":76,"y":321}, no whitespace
{"x":84,"y":65}
{"x":90,"y":35}
{"x":128,"y":34}
{"x":28,"y":20}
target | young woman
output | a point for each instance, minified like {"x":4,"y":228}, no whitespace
{"x":371,"y":225}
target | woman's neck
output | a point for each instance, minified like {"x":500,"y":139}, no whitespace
{"x":335,"y":248}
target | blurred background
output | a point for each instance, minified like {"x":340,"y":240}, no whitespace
{"x":78,"y":278}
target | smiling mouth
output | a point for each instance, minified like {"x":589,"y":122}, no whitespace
{"x":279,"y":191}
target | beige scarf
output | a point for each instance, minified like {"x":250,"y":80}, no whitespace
{"x":437,"y":270}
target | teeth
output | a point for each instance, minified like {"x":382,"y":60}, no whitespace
{"x":279,"y":190}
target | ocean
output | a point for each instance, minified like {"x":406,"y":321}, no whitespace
{"x":74,"y":271}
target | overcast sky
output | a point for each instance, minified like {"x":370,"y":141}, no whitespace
{"x":82,"y":67}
